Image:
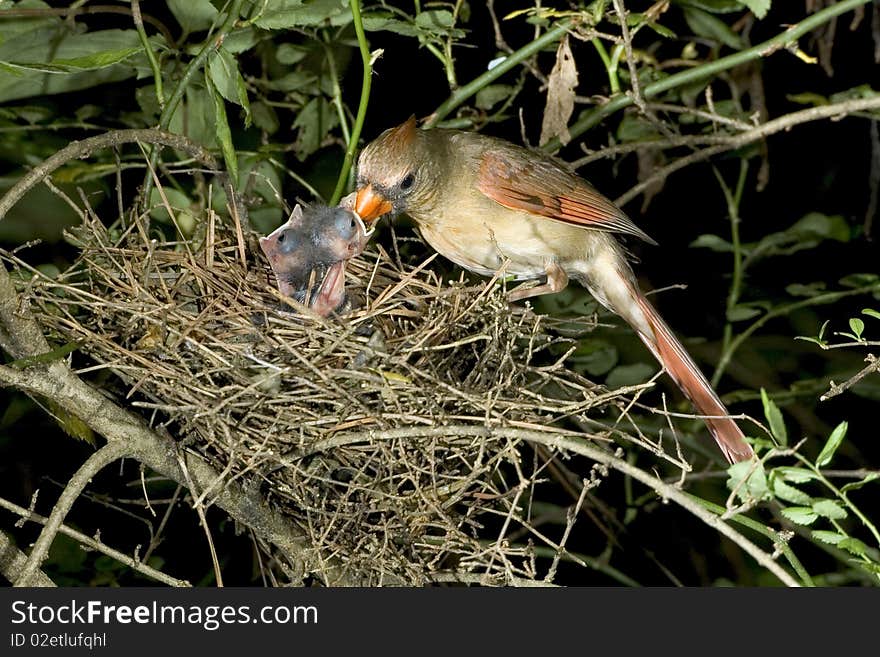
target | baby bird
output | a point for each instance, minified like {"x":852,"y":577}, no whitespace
{"x":309,"y":252}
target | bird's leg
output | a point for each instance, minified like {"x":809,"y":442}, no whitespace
{"x":557,"y":279}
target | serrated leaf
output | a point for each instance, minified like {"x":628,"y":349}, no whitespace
{"x":796,"y":475}
{"x":774,"y":419}
{"x":853,"y":546}
{"x":789,"y":493}
{"x":97,"y":60}
{"x":800,"y":515}
{"x":222,"y":131}
{"x":831,"y":538}
{"x":830,"y":509}
{"x":758,"y":7}
{"x":749,"y":482}
{"x":832,"y":444}
{"x":227,"y":79}
{"x":284,"y":14}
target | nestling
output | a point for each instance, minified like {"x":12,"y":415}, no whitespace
{"x":309,"y":252}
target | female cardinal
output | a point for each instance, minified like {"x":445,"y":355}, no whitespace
{"x":481,"y":202}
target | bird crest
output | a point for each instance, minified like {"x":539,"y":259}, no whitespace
{"x":403,"y":135}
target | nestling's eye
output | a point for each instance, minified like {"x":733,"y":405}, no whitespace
{"x":407,"y":182}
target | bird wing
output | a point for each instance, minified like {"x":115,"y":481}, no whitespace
{"x":532,"y":183}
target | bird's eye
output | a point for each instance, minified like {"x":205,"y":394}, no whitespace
{"x":281,"y":237}
{"x":407,"y":182}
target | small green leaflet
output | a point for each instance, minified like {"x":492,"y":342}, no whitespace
{"x":800,"y":515}
{"x":832,"y":444}
{"x":774,"y":419}
{"x":758,"y":7}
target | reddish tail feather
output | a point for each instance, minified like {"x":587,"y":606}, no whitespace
{"x":672,"y":355}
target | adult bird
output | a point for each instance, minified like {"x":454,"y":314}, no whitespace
{"x":483,"y":202}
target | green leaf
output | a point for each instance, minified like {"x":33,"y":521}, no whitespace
{"x":853,"y":546}
{"x":808,"y":290}
{"x":758,"y":7}
{"x":98,"y":60}
{"x":706,"y":25}
{"x":870,"y":312}
{"x":831,"y":538}
{"x":44,"y":61}
{"x":288,"y":53}
{"x":832,"y":444}
{"x":800,"y":515}
{"x":227,"y":79}
{"x":859,"y":280}
{"x":740,"y":313}
{"x":313,"y":123}
{"x":193,"y":15}
{"x":796,"y":475}
{"x":753,"y":488}
{"x":284,"y":14}
{"x":774,"y":419}
{"x":789,"y":493}
{"x":628,"y":375}
{"x":489,"y":96}
{"x":436,"y":21}
{"x":634,"y":128}
{"x":830,"y":509}
{"x":595,"y":357}
{"x":265,"y":117}
{"x":816,"y":224}
{"x":712,"y":242}
{"x":857,"y":326}
{"x":714,"y":6}
{"x":176,"y":199}
{"x":221,"y":129}
{"x":855,"y":485}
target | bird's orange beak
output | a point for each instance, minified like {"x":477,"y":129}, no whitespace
{"x":370,"y":205}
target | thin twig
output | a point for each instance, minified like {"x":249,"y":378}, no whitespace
{"x":95,"y":463}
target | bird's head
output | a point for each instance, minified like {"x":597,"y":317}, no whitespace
{"x":394,"y":172}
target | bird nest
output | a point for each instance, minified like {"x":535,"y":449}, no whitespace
{"x":375,"y":432}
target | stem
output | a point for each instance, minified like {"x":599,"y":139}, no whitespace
{"x":151,"y":56}
{"x":610,"y":68}
{"x":733,"y":203}
{"x":337,"y":91}
{"x":512,"y":60}
{"x":362,"y":105}
{"x":841,"y":495}
{"x":766,"y":531}
{"x":211,"y":45}
{"x":698,"y":73}
{"x":820,"y":300}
